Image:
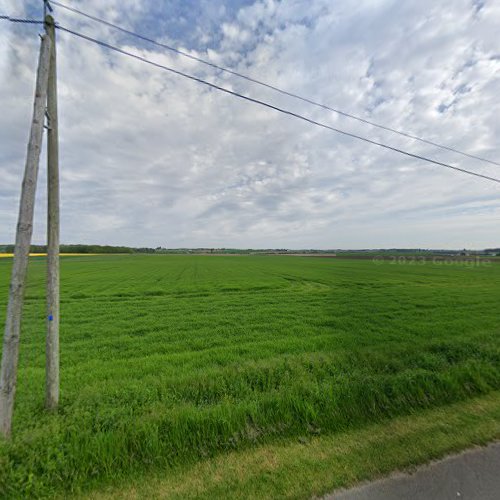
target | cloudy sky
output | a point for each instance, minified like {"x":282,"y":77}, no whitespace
{"x":150,"y":158}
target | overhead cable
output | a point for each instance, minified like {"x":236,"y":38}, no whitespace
{"x":272,"y":87}
{"x":271,"y":106}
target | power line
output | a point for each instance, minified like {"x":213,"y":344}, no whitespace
{"x":20,"y":20}
{"x":272,"y":87}
{"x":271,"y":106}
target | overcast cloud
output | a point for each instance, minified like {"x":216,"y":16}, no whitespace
{"x":150,"y":158}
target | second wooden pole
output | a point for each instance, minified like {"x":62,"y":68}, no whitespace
{"x":52,"y":341}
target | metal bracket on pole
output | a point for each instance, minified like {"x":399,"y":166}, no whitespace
{"x":47,"y":116}
{"x":47,"y":7}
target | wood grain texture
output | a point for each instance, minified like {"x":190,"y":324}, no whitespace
{"x":53,"y":231}
{"x":10,"y":354}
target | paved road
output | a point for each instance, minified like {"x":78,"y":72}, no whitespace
{"x":472,"y":475}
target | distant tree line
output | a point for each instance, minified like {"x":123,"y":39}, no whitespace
{"x":109,"y":249}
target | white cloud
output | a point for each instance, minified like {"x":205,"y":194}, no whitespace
{"x":149,"y":158}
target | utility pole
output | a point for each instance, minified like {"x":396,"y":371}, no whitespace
{"x":52,"y":341}
{"x":10,"y":353}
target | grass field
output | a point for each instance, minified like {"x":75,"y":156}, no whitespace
{"x":170,"y":362}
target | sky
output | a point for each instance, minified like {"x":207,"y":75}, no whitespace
{"x":148,"y":158}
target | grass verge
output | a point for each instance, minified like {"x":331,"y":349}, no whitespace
{"x":311,"y":467}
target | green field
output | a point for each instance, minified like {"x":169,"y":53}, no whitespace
{"x":171,"y":362}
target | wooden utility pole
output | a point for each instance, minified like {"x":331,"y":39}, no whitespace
{"x":52,"y":342}
{"x":10,"y":354}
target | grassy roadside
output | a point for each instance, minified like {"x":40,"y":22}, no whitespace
{"x":314,"y":466}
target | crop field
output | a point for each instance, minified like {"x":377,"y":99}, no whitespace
{"x":170,"y":362}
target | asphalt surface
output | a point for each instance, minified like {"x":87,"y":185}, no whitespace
{"x":472,"y":475}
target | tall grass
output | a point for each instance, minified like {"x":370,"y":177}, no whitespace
{"x":170,"y":359}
